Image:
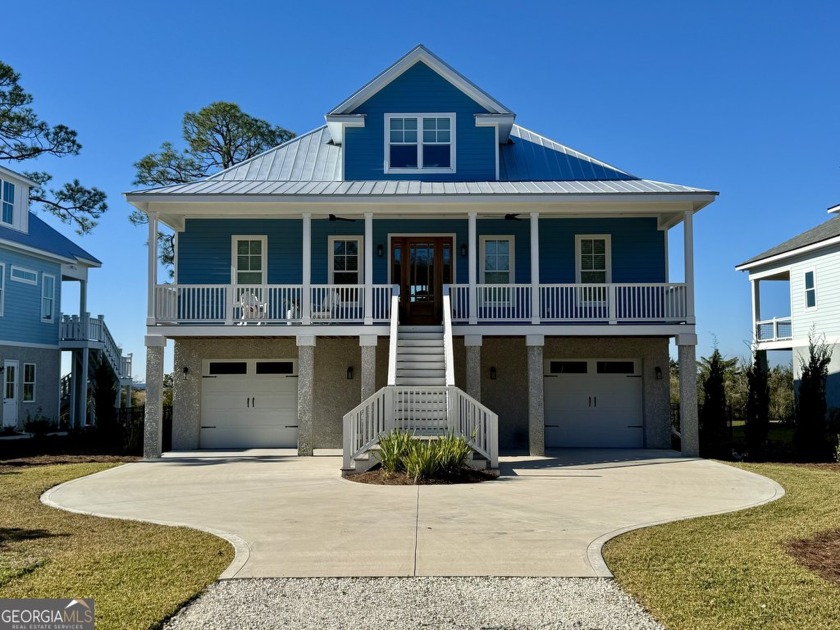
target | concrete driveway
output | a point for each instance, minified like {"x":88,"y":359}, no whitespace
{"x":294,"y":516}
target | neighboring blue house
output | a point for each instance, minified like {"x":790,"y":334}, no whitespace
{"x":421,"y":261}
{"x":34,"y":260}
{"x":809,"y":264}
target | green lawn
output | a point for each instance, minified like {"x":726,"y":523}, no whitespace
{"x":138,"y":574}
{"x":732,"y":571}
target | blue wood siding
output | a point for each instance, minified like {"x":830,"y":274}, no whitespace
{"x":638,"y":248}
{"x":204,"y":256}
{"x":21,"y":319}
{"x":420,"y":90}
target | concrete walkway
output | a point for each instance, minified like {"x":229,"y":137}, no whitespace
{"x":294,"y":516}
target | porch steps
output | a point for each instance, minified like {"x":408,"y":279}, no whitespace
{"x":420,"y":356}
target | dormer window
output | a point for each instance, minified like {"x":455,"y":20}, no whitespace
{"x":7,"y":202}
{"x":420,"y":142}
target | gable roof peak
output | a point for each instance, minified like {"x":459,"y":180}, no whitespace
{"x":419,"y":54}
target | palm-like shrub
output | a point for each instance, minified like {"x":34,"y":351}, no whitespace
{"x":453,"y":451}
{"x":393,"y":448}
{"x":421,"y":461}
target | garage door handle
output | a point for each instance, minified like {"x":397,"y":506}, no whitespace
{"x":253,"y":402}
{"x":207,"y":427}
{"x":291,"y":426}
{"x":248,"y":402}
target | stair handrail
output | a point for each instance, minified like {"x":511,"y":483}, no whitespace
{"x":395,"y":324}
{"x":366,"y":423}
{"x":448,"y":350}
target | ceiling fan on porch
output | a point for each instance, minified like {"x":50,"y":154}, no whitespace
{"x":335,"y":218}
{"x":512,"y":217}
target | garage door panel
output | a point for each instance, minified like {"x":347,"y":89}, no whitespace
{"x":249,"y":410}
{"x":593,"y":409}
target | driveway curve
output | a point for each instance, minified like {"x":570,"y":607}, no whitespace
{"x":293,"y":516}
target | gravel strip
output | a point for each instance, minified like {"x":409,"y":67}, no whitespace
{"x":427,"y":602}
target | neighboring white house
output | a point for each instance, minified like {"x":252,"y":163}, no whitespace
{"x":810,"y":264}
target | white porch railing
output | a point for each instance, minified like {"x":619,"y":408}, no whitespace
{"x":423,"y":411}
{"x":73,"y":328}
{"x":611,"y":303}
{"x":267,"y":304}
{"x":776,"y":329}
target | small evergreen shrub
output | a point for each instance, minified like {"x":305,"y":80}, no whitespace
{"x":400,"y":451}
{"x":758,"y":405}
{"x":811,"y":437}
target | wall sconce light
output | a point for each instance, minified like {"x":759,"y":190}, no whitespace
{"x":350,"y":373}
{"x":658,"y":371}
{"x":493,"y":373}
{"x":380,"y":250}
{"x":186,"y":371}
{"x":463,"y":249}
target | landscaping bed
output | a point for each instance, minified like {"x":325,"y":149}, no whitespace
{"x":767,"y":567}
{"x":138,"y":574}
{"x":381,"y":477}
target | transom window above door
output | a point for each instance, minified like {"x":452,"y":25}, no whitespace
{"x":345,"y":260}
{"x":415,"y":142}
{"x":249,"y":259}
{"x":593,"y":264}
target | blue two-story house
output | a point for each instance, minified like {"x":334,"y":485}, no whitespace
{"x":34,"y":261}
{"x":421,"y":261}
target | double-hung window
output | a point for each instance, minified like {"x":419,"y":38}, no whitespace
{"x":47,"y":298}
{"x":28,"y":382}
{"x":2,"y":286}
{"x":346,"y":260}
{"x":810,"y":290}
{"x":420,"y":142}
{"x":249,"y":259}
{"x":497,"y":268}
{"x":593,"y":265}
{"x":7,"y":202}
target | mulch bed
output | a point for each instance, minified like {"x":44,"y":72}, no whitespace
{"x":820,"y":554}
{"x":381,"y":477}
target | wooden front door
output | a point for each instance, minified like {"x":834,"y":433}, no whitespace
{"x":421,"y":265}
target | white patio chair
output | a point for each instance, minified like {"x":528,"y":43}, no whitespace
{"x":328,"y":306}
{"x":251,"y":308}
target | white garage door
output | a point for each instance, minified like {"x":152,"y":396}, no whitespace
{"x":593,"y":403}
{"x":249,"y":404}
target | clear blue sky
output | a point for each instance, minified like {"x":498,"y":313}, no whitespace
{"x":738,"y":97}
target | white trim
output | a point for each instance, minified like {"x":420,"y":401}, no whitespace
{"x":14,"y":268}
{"x":607,"y":238}
{"x":24,"y":383}
{"x":420,"y":53}
{"x":234,"y":269}
{"x":482,"y":242}
{"x":805,"y":289}
{"x":789,"y":254}
{"x":331,"y":239}
{"x":14,"y":223}
{"x":420,"y":169}
{"x":24,"y":344}
{"x":2,"y":287}
{"x":51,"y":318}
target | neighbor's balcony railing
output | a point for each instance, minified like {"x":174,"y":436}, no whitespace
{"x":560,"y":303}
{"x":776,"y":329}
{"x":73,"y":329}
{"x":269,"y":304}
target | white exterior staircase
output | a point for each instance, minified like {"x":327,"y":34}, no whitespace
{"x":421,"y":397}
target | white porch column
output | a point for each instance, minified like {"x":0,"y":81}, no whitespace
{"x":368,"y":268}
{"x":153,"y":247}
{"x":688,"y":250}
{"x":756,"y":307}
{"x":536,"y":395}
{"x":535,"y":268}
{"x":83,"y":419}
{"x":153,"y":420}
{"x":689,"y":422}
{"x":472,"y":264}
{"x":82,"y":296}
{"x":307,"y":269}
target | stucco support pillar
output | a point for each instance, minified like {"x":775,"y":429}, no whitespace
{"x":689,"y":422}
{"x":368,"y":345}
{"x":536,"y":398}
{"x":153,"y":422}
{"x":306,"y":390}
{"x":74,"y":385}
{"x":472,"y":344}
{"x":472,"y":265}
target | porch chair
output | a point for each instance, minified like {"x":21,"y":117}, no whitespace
{"x":329,"y":305}
{"x":251,"y":308}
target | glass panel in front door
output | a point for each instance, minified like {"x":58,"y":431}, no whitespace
{"x":11,"y":381}
{"x":422,"y":270}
